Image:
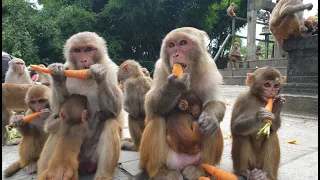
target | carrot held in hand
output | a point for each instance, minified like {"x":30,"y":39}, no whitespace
{"x":203,"y":178}
{"x":81,"y":74}
{"x":178,"y":70}
{"x":219,"y":173}
{"x":266,"y":128}
{"x":30,"y":117}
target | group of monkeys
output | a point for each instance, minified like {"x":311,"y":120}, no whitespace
{"x":174,"y":122}
{"x":286,"y":21}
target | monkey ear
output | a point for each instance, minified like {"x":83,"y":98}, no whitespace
{"x":61,"y":114}
{"x":84,"y":115}
{"x":126,"y":67}
{"x":249,"y":79}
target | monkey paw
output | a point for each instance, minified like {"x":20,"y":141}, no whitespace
{"x":17,"y":120}
{"x":309,"y":6}
{"x":44,"y":114}
{"x":257,"y":174}
{"x":192,"y":172}
{"x":62,"y":173}
{"x":179,"y":84}
{"x":30,"y":168}
{"x":208,"y":124}
{"x":58,"y":70}
{"x":98,"y":72}
{"x":264,"y":113}
{"x":278,"y":103}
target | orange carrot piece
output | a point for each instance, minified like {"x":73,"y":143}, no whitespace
{"x":121,"y":86}
{"x":41,"y":69}
{"x":30,"y":117}
{"x":219,"y":173}
{"x":81,"y":74}
{"x":178,"y":70}
{"x":203,"y":178}
{"x":269,"y":104}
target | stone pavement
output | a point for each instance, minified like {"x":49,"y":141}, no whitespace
{"x":298,"y":161}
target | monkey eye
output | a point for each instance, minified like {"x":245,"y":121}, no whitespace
{"x":171,"y":45}
{"x":42,"y":101}
{"x":183,"y":42}
{"x":32,"y":102}
{"x":267,"y":85}
{"x":88,"y":49}
{"x":77,"y":50}
{"x":276,"y":85}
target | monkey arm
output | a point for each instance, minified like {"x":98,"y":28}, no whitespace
{"x":245,"y":125}
{"x":52,"y":123}
{"x":289,"y":9}
{"x":215,"y":108}
{"x":110,"y":98}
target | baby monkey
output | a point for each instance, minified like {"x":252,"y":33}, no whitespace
{"x":183,"y":130}
{"x":72,"y":132}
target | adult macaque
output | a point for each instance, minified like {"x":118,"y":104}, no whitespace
{"x":136,"y":84}
{"x":230,"y":10}
{"x":13,"y":99}
{"x":33,"y":136}
{"x":235,"y":54}
{"x":257,"y":158}
{"x":186,"y":46}
{"x":44,"y":78}
{"x":286,"y":18}
{"x":72,"y":132}
{"x":101,"y":150}
{"x":18,"y":73}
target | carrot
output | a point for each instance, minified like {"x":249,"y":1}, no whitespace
{"x":121,"y":86}
{"x":81,"y":74}
{"x":266,"y":128}
{"x":178,"y":70}
{"x":219,"y":173}
{"x":30,"y":117}
{"x":203,"y":178}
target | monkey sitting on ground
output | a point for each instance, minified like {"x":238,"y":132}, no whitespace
{"x":230,"y":10}
{"x":17,"y":73}
{"x":309,"y":26}
{"x":235,"y":54}
{"x":257,"y":158}
{"x":186,"y":46}
{"x":44,"y":78}
{"x":33,"y":136}
{"x":136,"y":84}
{"x":183,"y":134}
{"x":13,"y":99}
{"x":286,"y":18}
{"x":73,"y":130}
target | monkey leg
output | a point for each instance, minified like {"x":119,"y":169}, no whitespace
{"x":47,"y":152}
{"x":154,"y":147}
{"x":289,"y":10}
{"x":136,"y":127}
{"x":29,"y":152}
{"x":211,"y":148}
{"x":6,"y":115}
{"x":271,"y":156}
{"x":242,"y":154}
{"x":108,"y":150}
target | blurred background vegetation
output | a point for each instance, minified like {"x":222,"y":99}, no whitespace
{"x":132,"y":28}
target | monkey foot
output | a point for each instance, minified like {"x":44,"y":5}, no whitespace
{"x":31,"y":168}
{"x":87,"y":167}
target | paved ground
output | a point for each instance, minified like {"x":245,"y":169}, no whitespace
{"x":298,"y":161}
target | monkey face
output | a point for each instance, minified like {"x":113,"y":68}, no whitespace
{"x":83,"y":56}
{"x":18,"y":66}
{"x":38,"y":104}
{"x":271,"y":88}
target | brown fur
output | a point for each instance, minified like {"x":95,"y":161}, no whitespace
{"x":101,"y":150}
{"x":13,"y":76}
{"x":201,"y":77}
{"x":247,"y":118}
{"x":230,"y":10}
{"x":33,"y":136}
{"x":309,"y":26}
{"x":136,"y":85}
{"x":235,"y":54}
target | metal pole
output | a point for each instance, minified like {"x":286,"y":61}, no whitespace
{"x":267,"y":46}
{"x":223,"y":44}
{"x":233,"y":30}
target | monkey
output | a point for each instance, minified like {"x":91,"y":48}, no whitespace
{"x":186,"y":46}
{"x":235,"y":54}
{"x":286,"y":18}
{"x":33,"y":136}
{"x":309,"y":26}
{"x":257,"y":157}
{"x":13,"y":99}
{"x":230,"y":10}
{"x":136,"y":85}
{"x":72,"y":132}
{"x":44,"y":78}
{"x":258,"y":52}
{"x":17,"y":73}
{"x":182,"y":129}
{"x":101,"y":150}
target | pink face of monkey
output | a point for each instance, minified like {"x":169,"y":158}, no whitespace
{"x":271,"y":88}
{"x":179,"y":50}
{"x":83,"y":56}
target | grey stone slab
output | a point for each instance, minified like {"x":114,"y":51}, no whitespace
{"x":126,"y":156}
{"x":131,"y":167}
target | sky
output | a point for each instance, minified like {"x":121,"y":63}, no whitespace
{"x":243,"y":31}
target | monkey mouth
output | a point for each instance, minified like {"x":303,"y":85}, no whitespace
{"x":183,"y":65}
{"x":85,"y":68}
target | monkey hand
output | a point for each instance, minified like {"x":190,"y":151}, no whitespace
{"x":179,"y":85}
{"x":263,"y":114}
{"x":256,"y":174}
{"x":208,"y":124}
{"x":278,"y":103}
{"x":44,"y":114}
{"x":98,"y":72}
{"x":58,"y":70}
{"x":17,"y":120}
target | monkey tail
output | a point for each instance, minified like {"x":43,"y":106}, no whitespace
{"x":12,"y":169}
